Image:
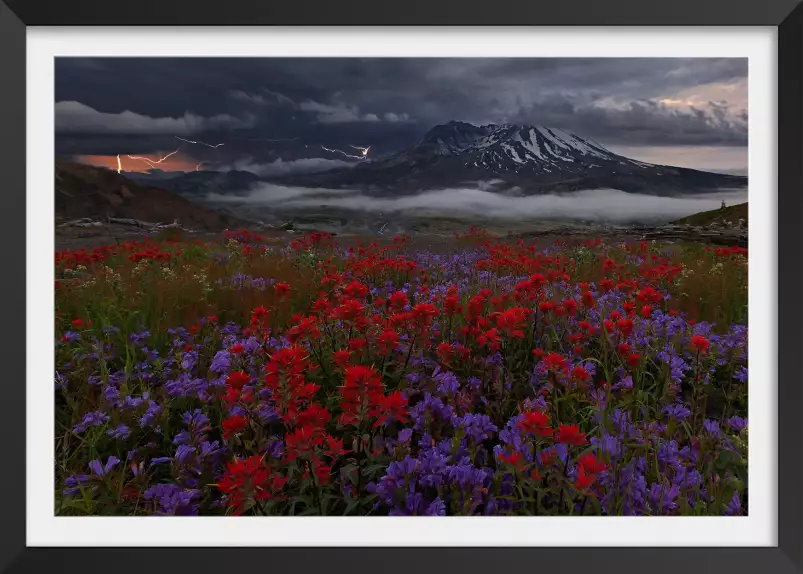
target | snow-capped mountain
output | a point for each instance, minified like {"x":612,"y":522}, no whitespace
{"x":511,"y":148}
{"x":520,"y":159}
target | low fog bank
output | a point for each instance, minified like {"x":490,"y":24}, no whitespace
{"x":599,"y":205}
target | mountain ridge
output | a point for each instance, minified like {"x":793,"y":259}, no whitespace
{"x":527,"y":159}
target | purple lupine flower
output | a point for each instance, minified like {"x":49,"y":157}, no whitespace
{"x":734,"y":507}
{"x":436,"y":508}
{"x":448,"y":384}
{"x":172,"y":500}
{"x":741,"y":374}
{"x":478,"y":427}
{"x":663,"y":498}
{"x":626,"y":383}
{"x":74,"y":483}
{"x":150,"y":415}
{"x":184,"y":452}
{"x":91,"y":419}
{"x":712,"y":427}
{"x":122,"y":432}
{"x":737,"y":423}
{"x":100,"y":470}
{"x":677,"y":411}
{"x":221,"y":363}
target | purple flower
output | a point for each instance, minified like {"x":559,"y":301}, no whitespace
{"x":150,"y":415}
{"x":436,"y":508}
{"x":625,"y":383}
{"x":734,"y":507}
{"x":478,"y":427}
{"x":91,"y":419}
{"x":737,"y":423}
{"x":662,"y":497}
{"x":712,"y":427}
{"x":101,"y":470}
{"x":677,"y":411}
{"x":741,"y":374}
{"x":122,"y":432}
{"x":448,"y":384}
{"x":172,"y":500}
{"x":221,"y":363}
{"x":74,"y":483}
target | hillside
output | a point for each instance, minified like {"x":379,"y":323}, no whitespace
{"x":732,"y":214}
{"x":84,"y":191}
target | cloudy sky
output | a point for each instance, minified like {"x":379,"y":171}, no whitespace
{"x":282,"y":115}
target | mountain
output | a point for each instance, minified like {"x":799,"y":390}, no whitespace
{"x":94,"y":192}
{"x":518,"y":159}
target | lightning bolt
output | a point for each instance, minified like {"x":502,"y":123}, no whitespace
{"x":200,"y":143}
{"x":119,"y":164}
{"x":199,"y":165}
{"x":363,"y":152}
{"x":151,"y":162}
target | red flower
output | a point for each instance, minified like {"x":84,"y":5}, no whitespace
{"x":570,"y":435}
{"x":548,"y":457}
{"x":282,"y":289}
{"x":302,"y":442}
{"x":357,"y":344}
{"x":701,"y":344}
{"x":315,"y":416}
{"x":392,"y":407}
{"x":588,"y":299}
{"x":646,"y":311}
{"x":361,"y":395}
{"x":423,"y":313}
{"x":583,"y":480}
{"x":633,"y":359}
{"x":399,"y":300}
{"x":514,"y":459}
{"x":512,"y":322}
{"x":341,"y":358}
{"x":445,"y":351}
{"x":388,"y":341}
{"x":247,"y":481}
{"x":536,"y":423}
{"x":234,"y":425}
{"x":625,"y":326}
{"x":591,"y":463}
{"x":238,"y":379}
{"x":580,"y":374}
{"x":554,"y":362}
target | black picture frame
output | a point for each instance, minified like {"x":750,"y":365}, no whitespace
{"x":16,"y":15}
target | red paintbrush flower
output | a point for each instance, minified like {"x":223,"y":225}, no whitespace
{"x":570,"y":435}
{"x":700,"y":344}
{"x":234,"y":425}
{"x":536,"y":423}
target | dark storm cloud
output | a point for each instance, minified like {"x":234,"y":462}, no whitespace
{"x":388,"y":103}
{"x":644,"y":122}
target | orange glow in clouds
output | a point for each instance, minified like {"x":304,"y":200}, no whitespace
{"x":176,"y":162}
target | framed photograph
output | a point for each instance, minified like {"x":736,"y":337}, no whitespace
{"x":455,"y":285}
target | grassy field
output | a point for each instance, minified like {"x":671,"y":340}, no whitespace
{"x":478,"y":376}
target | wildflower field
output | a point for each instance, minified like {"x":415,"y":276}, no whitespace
{"x":482,"y":376}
